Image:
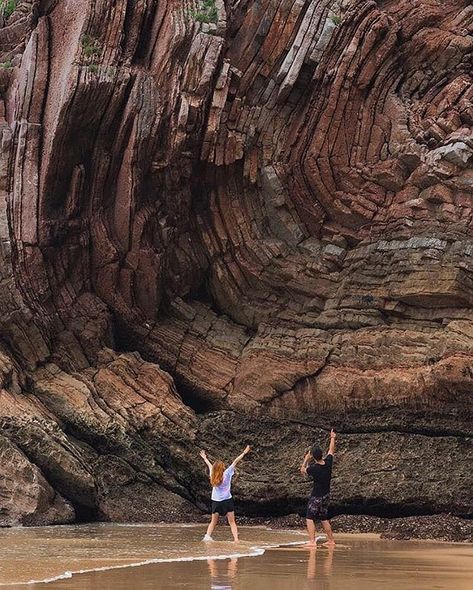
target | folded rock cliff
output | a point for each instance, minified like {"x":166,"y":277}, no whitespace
{"x":235,"y":222}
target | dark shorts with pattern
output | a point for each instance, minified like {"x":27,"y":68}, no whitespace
{"x":224,"y":507}
{"x":317,"y":507}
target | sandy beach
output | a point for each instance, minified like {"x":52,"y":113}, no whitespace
{"x":90,"y":557}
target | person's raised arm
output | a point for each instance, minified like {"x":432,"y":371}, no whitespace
{"x":240,"y":457}
{"x":331,"y":448}
{"x":203,"y":454}
{"x":305,"y":463}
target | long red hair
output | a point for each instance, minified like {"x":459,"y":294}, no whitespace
{"x":216,"y":477}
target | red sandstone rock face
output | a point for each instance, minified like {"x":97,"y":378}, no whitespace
{"x":273,"y":210}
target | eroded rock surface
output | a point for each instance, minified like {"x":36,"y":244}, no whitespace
{"x":246,"y":224}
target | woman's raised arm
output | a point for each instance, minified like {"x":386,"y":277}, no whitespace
{"x":240,"y":457}
{"x":203,"y":454}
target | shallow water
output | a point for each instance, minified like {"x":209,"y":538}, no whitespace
{"x":176,"y":558}
{"x":46,"y":553}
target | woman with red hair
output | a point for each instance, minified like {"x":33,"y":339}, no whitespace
{"x":222,"y":501}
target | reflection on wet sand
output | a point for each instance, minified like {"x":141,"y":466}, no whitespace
{"x":319,"y":568}
{"x":222,"y":573}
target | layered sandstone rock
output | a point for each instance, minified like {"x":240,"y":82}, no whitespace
{"x":250,"y":222}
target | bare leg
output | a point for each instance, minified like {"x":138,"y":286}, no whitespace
{"x":213,"y":523}
{"x":311,"y":530}
{"x":233,"y":526}
{"x":329,"y":533}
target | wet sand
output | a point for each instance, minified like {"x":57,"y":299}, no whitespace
{"x":358,"y":562}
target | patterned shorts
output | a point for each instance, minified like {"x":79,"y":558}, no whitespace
{"x":317,"y":507}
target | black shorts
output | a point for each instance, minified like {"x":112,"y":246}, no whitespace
{"x":317,"y":507}
{"x":224,"y":507}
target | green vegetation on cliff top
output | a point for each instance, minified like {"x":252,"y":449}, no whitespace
{"x":8,"y":7}
{"x":207,"y":12}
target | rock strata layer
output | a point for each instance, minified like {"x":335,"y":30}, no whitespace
{"x":245,"y":222}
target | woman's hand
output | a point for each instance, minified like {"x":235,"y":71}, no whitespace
{"x":203,"y":454}
{"x":247,"y":450}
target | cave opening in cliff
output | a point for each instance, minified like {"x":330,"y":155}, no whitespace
{"x":193,"y":398}
{"x":84,"y":514}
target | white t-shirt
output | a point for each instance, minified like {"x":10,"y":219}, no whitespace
{"x":223,"y":491}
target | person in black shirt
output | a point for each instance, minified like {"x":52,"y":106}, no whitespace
{"x":320,"y":469}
